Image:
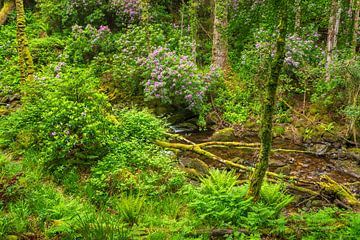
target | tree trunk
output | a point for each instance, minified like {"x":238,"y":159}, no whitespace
{"x":220,"y":43}
{"x":356,"y":27}
{"x":8,"y":6}
{"x":334,"y":22}
{"x":194,"y":22}
{"x":297,"y":16}
{"x":25,"y":59}
{"x":258,"y":175}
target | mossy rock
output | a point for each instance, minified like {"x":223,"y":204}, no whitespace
{"x":354,"y":153}
{"x":196,"y":164}
{"x":285,"y":170}
{"x":223,"y":135}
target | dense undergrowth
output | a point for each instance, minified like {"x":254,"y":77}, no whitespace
{"x":76,"y":166}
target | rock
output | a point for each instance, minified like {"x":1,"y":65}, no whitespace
{"x":196,"y":164}
{"x":184,"y":127}
{"x":276,"y":163}
{"x":223,"y":135}
{"x":319,"y":148}
{"x":285,"y":170}
{"x":353,"y":153}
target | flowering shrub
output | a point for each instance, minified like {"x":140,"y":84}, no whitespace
{"x":174,"y":79}
{"x":88,"y":42}
{"x":299,"y":51}
{"x":62,"y":117}
{"x":65,"y":13}
{"x":128,"y":10}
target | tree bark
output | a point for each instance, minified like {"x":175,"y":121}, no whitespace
{"x":297,"y":16}
{"x":25,"y":59}
{"x":258,"y":175}
{"x":194,"y":22}
{"x":8,"y":6}
{"x":356,"y":26}
{"x":334,"y":22}
{"x":220,"y":39}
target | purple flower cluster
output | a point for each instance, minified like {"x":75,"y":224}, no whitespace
{"x":298,"y":50}
{"x":57,"y":69}
{"x":173,"y":79}
{"x":131,"y":8}
{"x":90,"y":32}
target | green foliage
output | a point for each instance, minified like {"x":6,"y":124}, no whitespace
{"x":86,"y":43}
{"x":140,"y":126}
{"x":134,"y":167}
{"x":63,"y":118}
{"x":219,"y":202}
{"x":131,"y":45}
{"x":46,"y":50}
{"x":328,"y":223}
{"x":104,"y":226}
{"x":130,"y":208}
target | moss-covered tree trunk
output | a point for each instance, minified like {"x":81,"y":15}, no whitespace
{"x":261,"y":167}
{"x":220,"y":39}
{"x":8,"y":6}
{"x":25,"y":59}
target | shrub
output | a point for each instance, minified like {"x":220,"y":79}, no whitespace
{"x":63,"y":118}
{"x":88,"y":42}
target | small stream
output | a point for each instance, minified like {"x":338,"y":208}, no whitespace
{"x":305,"y":166}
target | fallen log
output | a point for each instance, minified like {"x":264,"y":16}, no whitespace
{"x":326,"y":184}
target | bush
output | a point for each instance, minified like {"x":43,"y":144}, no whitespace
{"x":134,"y":167}
{"x":63,"y":118}
{"x":88,"y":42}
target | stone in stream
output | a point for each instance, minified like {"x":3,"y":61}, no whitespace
{"x":223,"y":135}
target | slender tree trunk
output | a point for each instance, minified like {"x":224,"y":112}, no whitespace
{"x":356,"y":26}
{"x":297,"y":16}
{"x":145,"y":15}
{"x":258,"y":175}
{"x":25,"y":59}
{"x":334,"y":22}
{"x":220,"y":39}
{"x":194,"y":22}
{"x":8,"y":6}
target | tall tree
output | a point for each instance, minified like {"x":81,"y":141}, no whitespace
{"x":25,"y":59}
{"x":258,"y":175}
{"x":8,"y":6}
{"x":220,"y":39}
{"x":356,"y":26}
{"x":194,"y":22}
{"x":333,"y":30}
{"x":297,"y":16}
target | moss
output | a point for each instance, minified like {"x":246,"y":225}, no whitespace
{"x":226,"y":134}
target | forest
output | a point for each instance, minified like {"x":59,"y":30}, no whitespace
{"x":191,"y":119}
